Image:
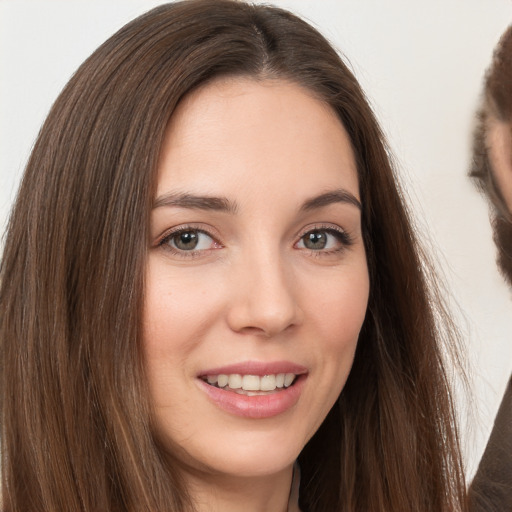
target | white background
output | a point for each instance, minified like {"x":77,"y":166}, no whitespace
{"x":421,"y":64}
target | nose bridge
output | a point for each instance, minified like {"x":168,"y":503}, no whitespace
{"x":265,"y":300}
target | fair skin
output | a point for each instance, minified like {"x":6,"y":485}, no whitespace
{"x":267,"y":278}
{"x":499,"y":143}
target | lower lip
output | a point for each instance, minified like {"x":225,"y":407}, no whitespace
{"x":258,"y":406}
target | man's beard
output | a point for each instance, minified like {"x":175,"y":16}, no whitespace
{"x":503,"y":239}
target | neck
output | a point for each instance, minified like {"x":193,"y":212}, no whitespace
{"x":225,"y":493}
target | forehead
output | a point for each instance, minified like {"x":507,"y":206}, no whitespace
{"x":244,"y":131}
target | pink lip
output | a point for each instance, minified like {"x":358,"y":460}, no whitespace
{"x":256,"y":407}
{"x":256,"y":368}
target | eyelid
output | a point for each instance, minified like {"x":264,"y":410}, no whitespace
{"x":345,"y":238}
{"x":322,"y":226}
{"x":193,"y":226}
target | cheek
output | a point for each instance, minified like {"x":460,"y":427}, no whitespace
{"x":172,"y":303}
{"x":172,"y":329}
{"x":339,"y":313}
{"x":499,"y":142}
{"x":339,"y":307}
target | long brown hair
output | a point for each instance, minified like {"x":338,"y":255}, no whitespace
{"x":75,"y":419}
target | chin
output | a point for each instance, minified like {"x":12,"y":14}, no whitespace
{"x":242,"y":454}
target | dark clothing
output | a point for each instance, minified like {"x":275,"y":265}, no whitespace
{"x":491,"y":489}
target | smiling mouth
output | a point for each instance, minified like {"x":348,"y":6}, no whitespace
{"x":251,"y":385}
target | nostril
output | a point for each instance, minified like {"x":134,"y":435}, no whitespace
{"x":265,"y":331}
{"x":255,"y":331}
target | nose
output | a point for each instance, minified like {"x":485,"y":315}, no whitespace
{"x":264,"y":301}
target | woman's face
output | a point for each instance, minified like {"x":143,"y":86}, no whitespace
{"x":257,"y":282}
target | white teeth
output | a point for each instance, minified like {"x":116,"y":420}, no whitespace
{"x":252,"y":383}
{"x":288,"y":379}
{"x":235,"y":381}
{"x":268,"y":383}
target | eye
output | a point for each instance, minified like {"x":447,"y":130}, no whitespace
{"x":324,"y":239}
{"x":188,"y":240}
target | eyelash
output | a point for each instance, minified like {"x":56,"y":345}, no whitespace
{"x":342,"y":236}
{"x":164,"y":242}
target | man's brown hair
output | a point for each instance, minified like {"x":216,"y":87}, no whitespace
{"x":496,"y":105}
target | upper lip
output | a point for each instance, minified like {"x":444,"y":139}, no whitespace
{"x":259,"y":368}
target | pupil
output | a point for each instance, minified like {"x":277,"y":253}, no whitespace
{"x":187,"y":240}
{"x":315,"y":240}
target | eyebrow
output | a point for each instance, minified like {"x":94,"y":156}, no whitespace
{"x":191,"y":201}
{"x":334,"y":196}
{"x":223,"y":204}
